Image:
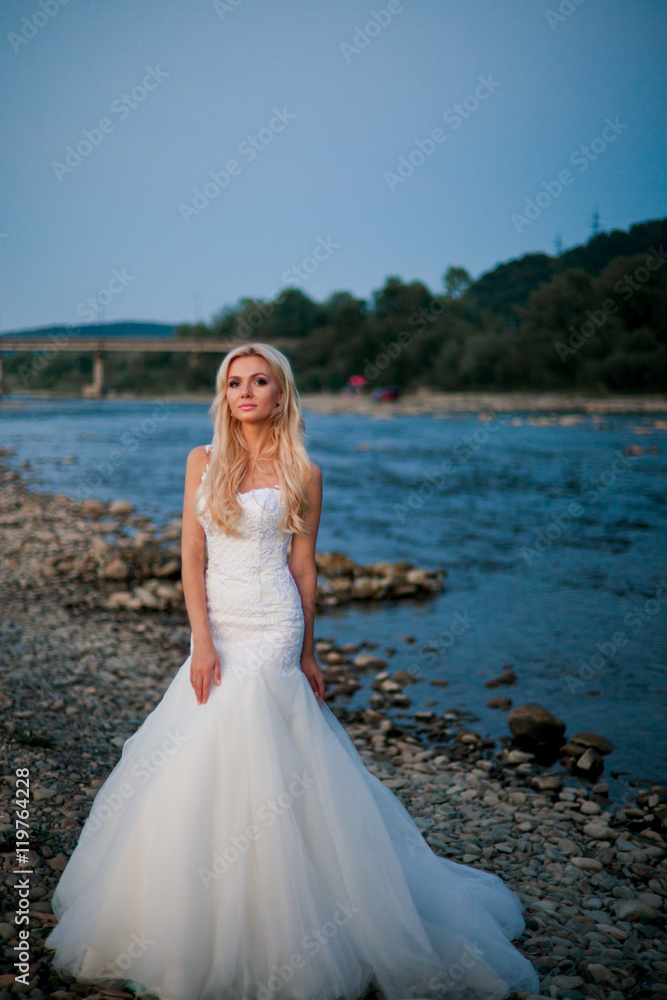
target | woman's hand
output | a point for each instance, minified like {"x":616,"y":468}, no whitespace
{"x":204,"y":661}
{"x":312,"y":671}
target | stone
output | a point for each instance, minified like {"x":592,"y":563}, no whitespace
{"x":587,"y":864}
{"x":115,"y":569}
{"x":93,"y":508}
{"x":121,"y":507}
{"x":590,"y":762}
{"x":519,"y":757}
{"x":366,"y":661}
{"x":507,"y":677}
{"x":599,"y":973}
{"x":403,"y":677}
{"x":598,"y":830}
{"x":588,"y":739}
{"x":634,"y":910}
{"x":547,"y":782}
{"x":504,"y":704}
{"x":567,"y":982}
{"x":531,"y":724}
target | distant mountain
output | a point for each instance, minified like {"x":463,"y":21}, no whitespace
{"x":509,"y":285}
{"x":125,"y":328}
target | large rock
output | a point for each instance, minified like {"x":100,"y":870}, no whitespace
{"x":534,"y":726}
{"x":588,"y":739}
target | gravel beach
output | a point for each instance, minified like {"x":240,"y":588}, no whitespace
{"x":422,"y":402}
{"x":81,"y":671}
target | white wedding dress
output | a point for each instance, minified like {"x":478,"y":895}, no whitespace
{"x":240,"y":850}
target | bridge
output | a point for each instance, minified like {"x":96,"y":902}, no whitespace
{"x":99,"y":346}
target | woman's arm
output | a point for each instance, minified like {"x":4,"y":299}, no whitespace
{"x":204,"y":660}
{"x":304,"y":570}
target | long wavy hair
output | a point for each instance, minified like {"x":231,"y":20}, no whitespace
{"x":229,"y":457}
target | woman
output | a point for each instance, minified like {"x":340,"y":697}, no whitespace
{"x":240,"y":850}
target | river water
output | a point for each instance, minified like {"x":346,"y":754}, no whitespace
{"x":553,"y":539}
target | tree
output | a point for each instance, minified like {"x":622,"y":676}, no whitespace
{"x":457,"y":281}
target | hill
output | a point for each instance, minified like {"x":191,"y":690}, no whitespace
{"x":591,"y":320}
{"x":124,"y":328}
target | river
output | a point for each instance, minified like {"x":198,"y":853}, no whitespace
{"x":551,"y":533}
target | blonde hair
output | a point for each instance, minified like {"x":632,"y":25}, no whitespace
{"x":228,"y":459}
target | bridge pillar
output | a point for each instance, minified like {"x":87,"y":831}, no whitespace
{"x":97,"y":389}
{"x":1,"y":385}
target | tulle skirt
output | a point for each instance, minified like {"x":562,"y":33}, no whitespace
{"x":240,"y":850}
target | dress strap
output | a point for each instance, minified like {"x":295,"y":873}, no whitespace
{"x":207,"y":448}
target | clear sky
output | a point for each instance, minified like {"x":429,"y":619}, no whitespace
{"x":313,"y":104}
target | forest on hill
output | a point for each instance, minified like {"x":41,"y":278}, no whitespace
{"x":591,"y":319}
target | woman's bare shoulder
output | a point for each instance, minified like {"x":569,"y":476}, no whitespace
{"x":315,"y":474}
{"x":198,"y":458}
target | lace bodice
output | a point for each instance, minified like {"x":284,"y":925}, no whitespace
{"x":253,"y":603}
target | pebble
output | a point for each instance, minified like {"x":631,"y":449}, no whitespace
{"x":592,"y":882}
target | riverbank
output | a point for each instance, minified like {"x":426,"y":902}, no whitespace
{"x":422,"y":403}
{"x":80,"y":678}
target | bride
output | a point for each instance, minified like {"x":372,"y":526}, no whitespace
{"x":239,"y":849}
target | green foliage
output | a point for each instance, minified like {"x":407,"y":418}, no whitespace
{"x":457,"y":281}
{"x":593,"y":319}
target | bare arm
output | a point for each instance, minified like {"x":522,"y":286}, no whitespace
{"x":304,"y":570}
{"x":204,"y":659}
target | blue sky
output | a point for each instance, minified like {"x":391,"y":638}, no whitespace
{"x":304,"y":113}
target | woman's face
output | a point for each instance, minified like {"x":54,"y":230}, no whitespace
{"x":252,"y":390}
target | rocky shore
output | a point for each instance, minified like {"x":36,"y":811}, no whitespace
{"x":125,"y":562}
{"x":81,"y":671}
{"x":427,"y":402}
{"x":431,"y":402}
